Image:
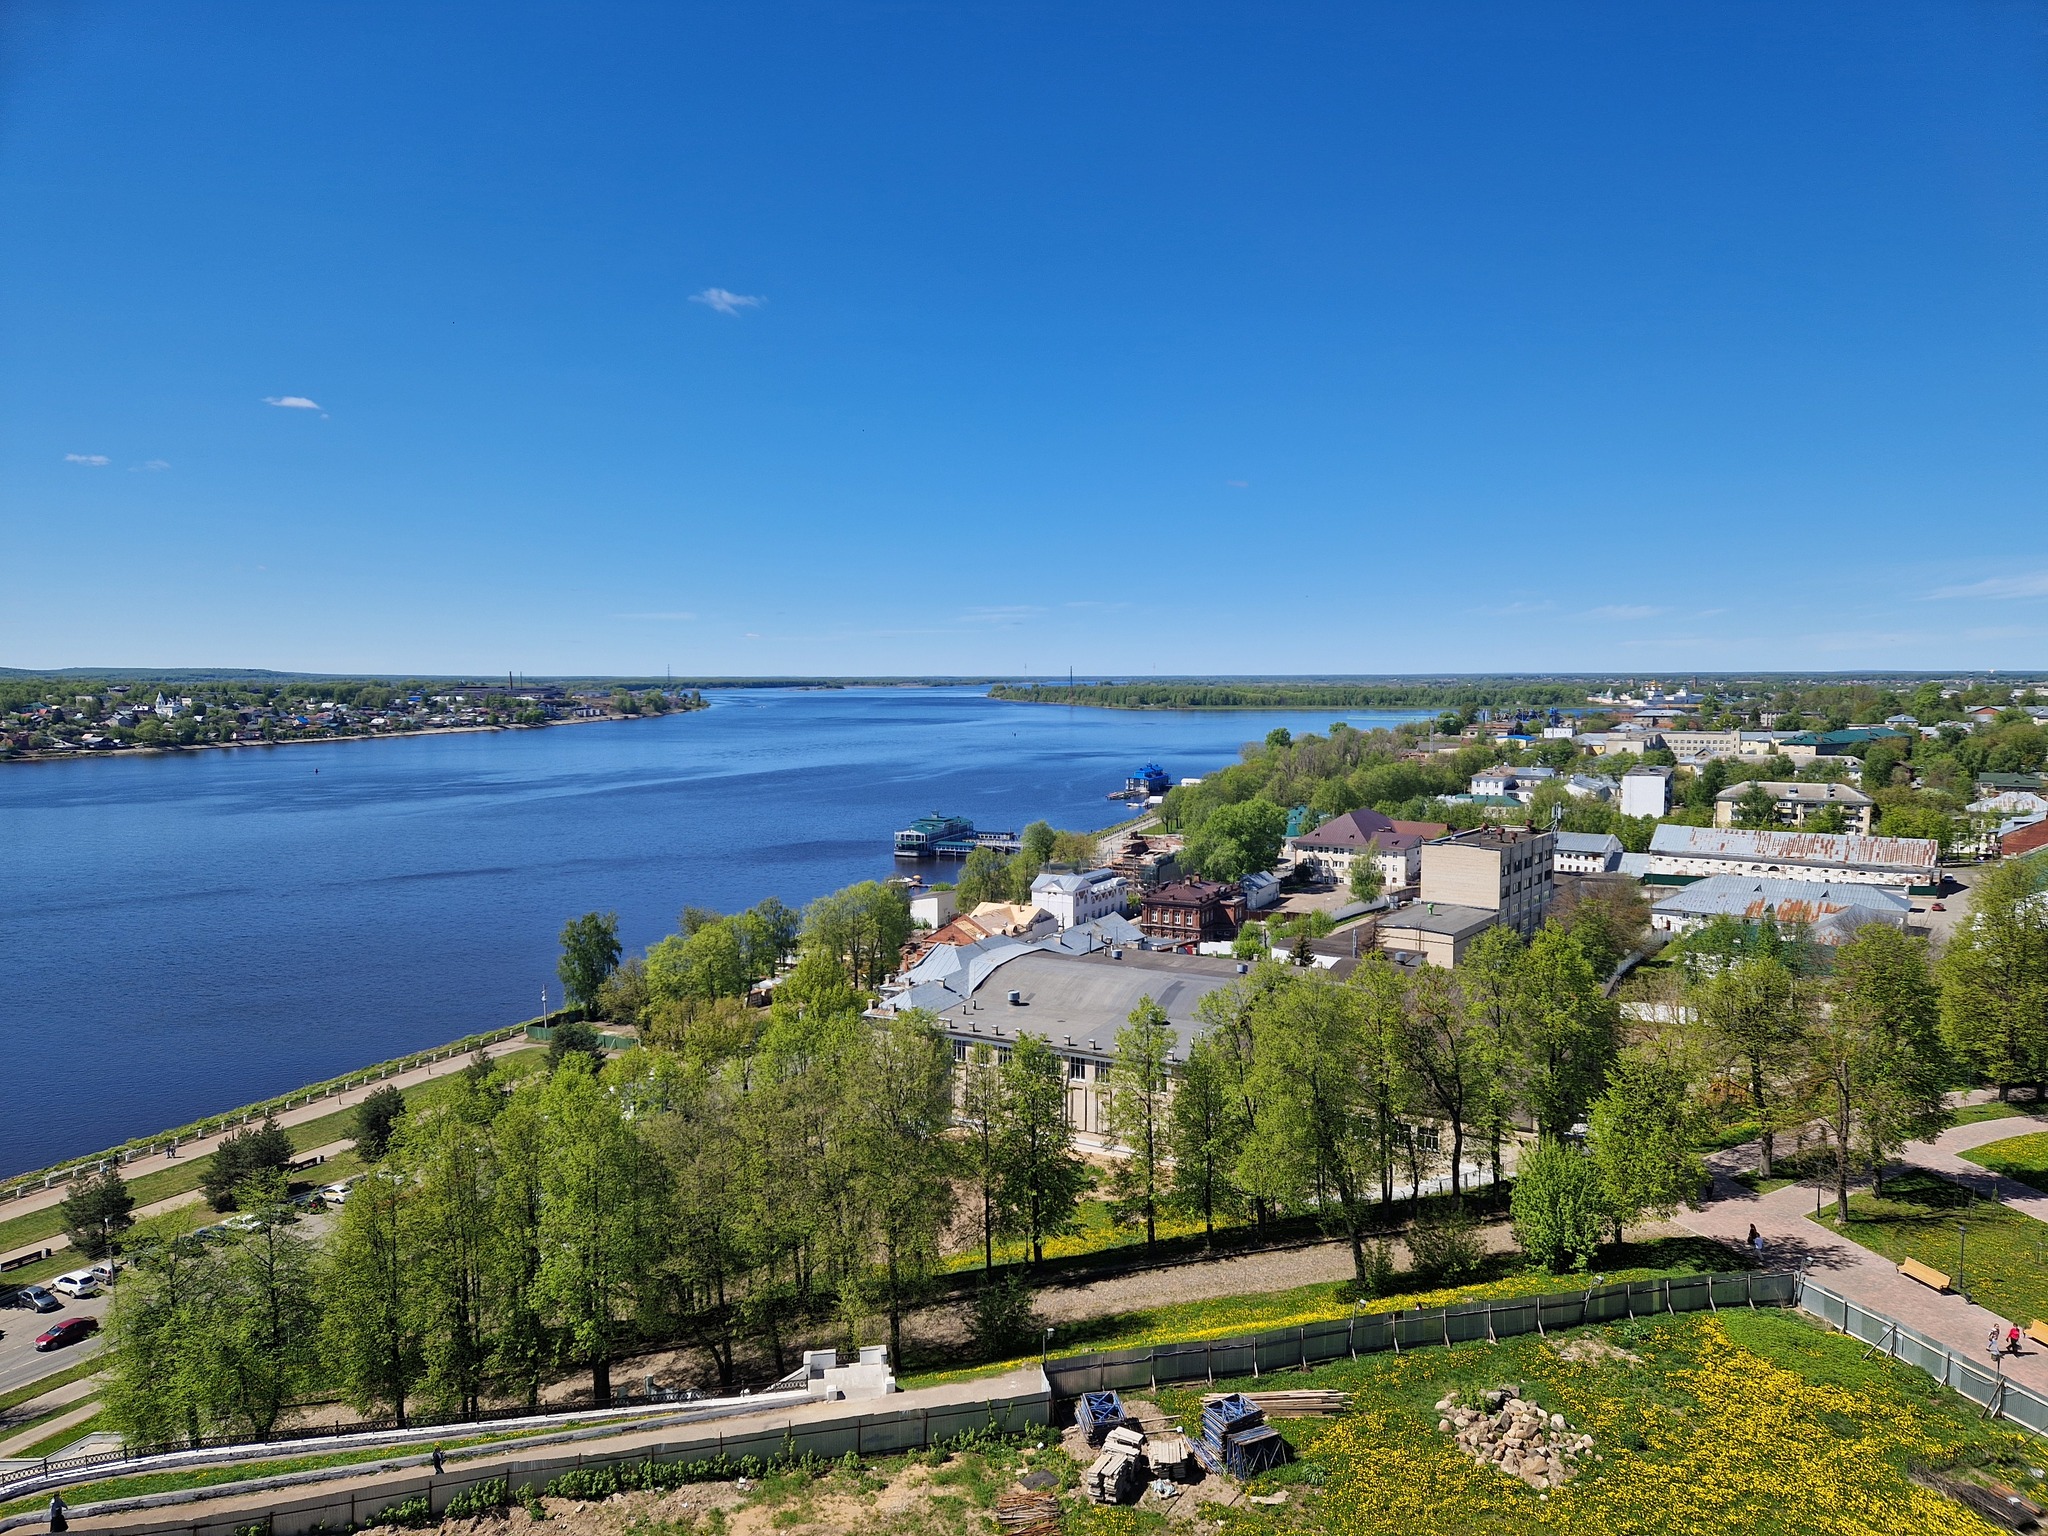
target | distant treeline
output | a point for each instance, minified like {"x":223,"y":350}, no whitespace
{"x":1479,"y":694}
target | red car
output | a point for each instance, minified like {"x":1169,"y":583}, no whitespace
{"x":70,"y":1331}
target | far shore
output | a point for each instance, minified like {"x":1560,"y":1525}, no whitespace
{"x":326,"y":741}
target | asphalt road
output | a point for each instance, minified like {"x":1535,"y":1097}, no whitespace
{"x":19,"y":1362}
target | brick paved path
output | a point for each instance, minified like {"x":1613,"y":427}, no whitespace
{"x":1790,"y":1240}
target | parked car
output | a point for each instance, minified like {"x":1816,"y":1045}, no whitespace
{"x":105,"y":1271}
{"x":334,"y":1194}
{"x":70,"y":1331}
{"x":77,"y":1284}
{"x":36,"y":1299}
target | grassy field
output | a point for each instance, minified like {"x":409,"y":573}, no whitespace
{"x":50,"y":1383}
{"x":2023,"y":1158}
{"x":1229,"y":1316}
{"x":34,"y":1226}
{"x":1760,"y":1422}
{"x":49,"y":1445}
{"x":1097,"y":1231}
{"x":2006,"y":1257}
{"x":1971,"y":1114}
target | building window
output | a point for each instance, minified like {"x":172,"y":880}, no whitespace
{"x":1076,"y":1068}
{"x":959,"y":1050}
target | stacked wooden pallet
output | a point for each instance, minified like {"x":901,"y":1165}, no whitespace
{"x":1118,"y":1474}
{"x":1290,"y":1405}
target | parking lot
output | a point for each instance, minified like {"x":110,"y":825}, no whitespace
{"x":19,"y":1362}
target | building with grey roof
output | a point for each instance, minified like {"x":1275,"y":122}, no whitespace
{"x":1679,"y":855}
{"x":1586,"y":853}
{"x":1830,"y":913}
{"x":1798,"y":802}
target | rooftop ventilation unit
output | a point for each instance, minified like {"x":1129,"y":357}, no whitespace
{"x":1016,"y":998}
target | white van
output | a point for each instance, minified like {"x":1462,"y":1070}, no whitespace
{"x":78,"y":1285}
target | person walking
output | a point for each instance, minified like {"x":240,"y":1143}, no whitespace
{"x":2012,"y":1340}
{"x":1997,"y":1344}
{"x":440,"y":1462}
{"x":57,"y":1520}
{"x":1756,"y":1242}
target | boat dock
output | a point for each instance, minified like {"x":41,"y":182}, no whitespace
{"x":939,"y":836}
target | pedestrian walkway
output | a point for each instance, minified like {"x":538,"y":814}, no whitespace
{"x":156,"y":1162}
{"x":1870,"y":1279}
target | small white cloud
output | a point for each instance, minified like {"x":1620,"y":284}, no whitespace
{"x":725,"y":301}
{"x":1623,"y":611}
{"x":150,"y":465}
{"x":292,"y":402}
{"x":2035,"y":585}
{"x":96,"y":460}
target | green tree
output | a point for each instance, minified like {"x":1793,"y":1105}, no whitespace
{"x":1645,"y":1133}
{"x":1237,"y":840}
{"x":1566,"y":1031}
{"x":590,"y":953}
{"x":709,"y":962}
{"x":260,"y":1343}
{"x":982,"y":1114}
{"x":1203,"y":1130}
{"x":452,"y":1160}
{"x":242,"y":1156}
{"x":1558,"y":1206}
{"x":97,"y":1211}
{"x":376,"y":1119}
{"x":1445,"y":1050}
{"x":574,"y":1037}
{"x":157,"y":1389}
{"x":1367,"y":878}
{"x":1043,"y":1179}
{"x":707,"y":1147}
{"x":1756,"y":1013}
{"x":984,"y":876}
{"x":522,"y":1345}
{"x":1037,"y":844}
{"x":374,"y":1333}
{"x":1313,"y":1145}
{"x":1755,"y":810}
{"x":1875,"y":1064}
{"x":1994,"y":977}
{"x":600,"y":1219}
{"x":864,"y":927}
{"x":1140,"y":1090}
{"x":1829,"y":818}
{"x":899,"y":1107}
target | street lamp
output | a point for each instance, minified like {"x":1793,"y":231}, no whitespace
{"x":1962,"y":1251}
{"x":1044,"y":1343}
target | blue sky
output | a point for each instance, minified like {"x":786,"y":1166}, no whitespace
{"x":1131,"y":338}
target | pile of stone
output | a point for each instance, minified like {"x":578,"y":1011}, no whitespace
{"x":1118,"y":1474}
{"x":1508,"y":1431}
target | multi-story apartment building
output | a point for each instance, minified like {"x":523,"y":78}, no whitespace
{"x":1798,"y":803}
{"x":1504,"y":870}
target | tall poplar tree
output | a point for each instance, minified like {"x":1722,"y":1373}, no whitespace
{"x":1042,"y":1178}
{"x":1140,"y":1090}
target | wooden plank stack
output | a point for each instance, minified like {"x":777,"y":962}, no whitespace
{"x":1024,"y":1513}
{"x":1118,"y":1474}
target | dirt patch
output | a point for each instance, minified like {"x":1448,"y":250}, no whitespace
{"x":1591,"y":1349}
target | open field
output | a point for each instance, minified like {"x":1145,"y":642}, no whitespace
{"x":2004,"y":1261}
{"x":2023,"y":1159}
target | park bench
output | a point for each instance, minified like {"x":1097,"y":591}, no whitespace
{"x":2038,"y":1331}
{"x":1926,"y":1274}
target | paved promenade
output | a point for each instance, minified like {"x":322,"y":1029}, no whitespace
{"x":1791,"y":1240}
{"x":156,"y":1162}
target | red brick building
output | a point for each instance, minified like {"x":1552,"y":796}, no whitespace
{"x":1192,"y":912}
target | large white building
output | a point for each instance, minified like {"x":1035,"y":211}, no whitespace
{"x":1906,"y":864}
{"x":1646,"y":791}
{"x":1075,"y":896}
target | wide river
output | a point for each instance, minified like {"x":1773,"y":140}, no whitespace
{"x":185,"y":933}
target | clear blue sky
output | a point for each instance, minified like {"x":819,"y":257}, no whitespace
{"x":1131,"y":338}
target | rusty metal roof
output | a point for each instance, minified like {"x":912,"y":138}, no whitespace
{"x":1843,"y":849}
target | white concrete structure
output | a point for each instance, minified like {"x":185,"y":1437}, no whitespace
{"x":1586,"y":853}
{"x":1829,"y":912}
{"x":932,"y":909}
{"x":1646,"y":791}
{"x":1078,"y":896}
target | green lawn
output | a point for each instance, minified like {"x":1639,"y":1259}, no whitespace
{"x":1758,"y":1422}
{"x":51,"y":1444}
{"x":1230,"y":1316}
{"x":34,"y":1226}
{"x":1097,"y":1231}
{"x":2004,"y":1262}
{"x":35,"y":1389}
{"x":1970,"y":1114}
{"x":2023,"y":1158}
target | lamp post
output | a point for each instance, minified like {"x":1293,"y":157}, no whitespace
{"x":1962,"y":1252}
{"x":1044,"y":1343}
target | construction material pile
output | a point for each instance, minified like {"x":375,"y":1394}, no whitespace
{"x":1099,"y":1413}
{"x":1028,"y":1512}
{"x":1290,"y":1405}
{"x":1509,"y":1432}
{"x":1118,"y":1474}
{"x":1236,"y":1438}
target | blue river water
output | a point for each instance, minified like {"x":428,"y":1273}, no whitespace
{"x":181,"y":934}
